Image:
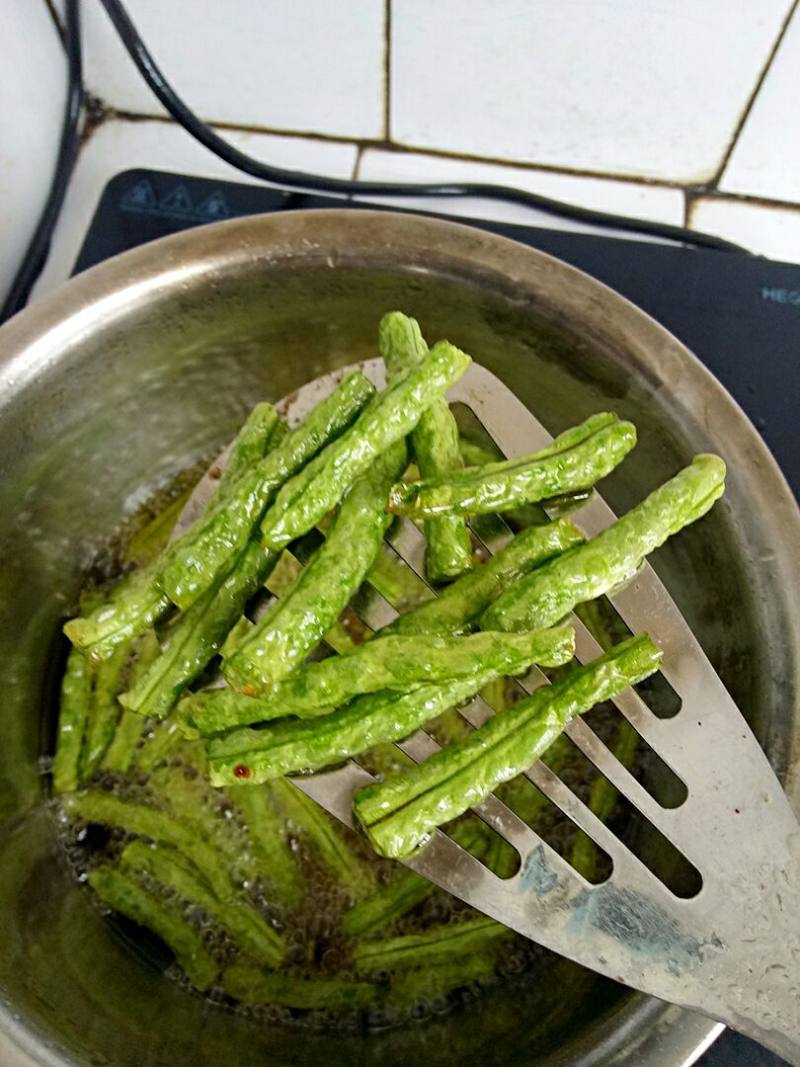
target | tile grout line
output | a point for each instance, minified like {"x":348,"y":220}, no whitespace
{"x":387,"y":70}
{"x":363,"y":145}
{"x":745,"y":115}
{"x":357,"y":163}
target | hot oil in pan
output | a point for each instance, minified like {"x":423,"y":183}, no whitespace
{"x":311,"y":925}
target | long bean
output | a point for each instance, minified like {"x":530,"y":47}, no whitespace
{"x":109,"y":810}
{"x":393,"y":662}
{"x":386,"y":420}
{"x":260,"y":755}
{"x":407,"y":889}
{"x":577,"y":459}
{"x":431,"y":948}
{"x":198,"y":635}
{"x":399,"y":813}
{"x":461,"y":603}
{"x":268,"y":840}
{"x":328,"y":844}
{"x":254,"y":985}
{"x":123,"y":894}
{"x":613,"y":557}
{"x":434,"y":442}
{"x":132,"y":607}
{"x":240,"y":920}
{"x":296,"y":625}
{"x":73,"y":715}
{"x":121,"y":753}
{"x":249,"y":446}
{"x":104,"y":709}
{"x":197,"y":558}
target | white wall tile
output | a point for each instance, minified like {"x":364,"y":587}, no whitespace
{"x":766,"y":158}
{"x":119,"y":145}
{"x":623,"y":198}
{"x":769,"y":231}
{"x":642,"y":88}
{"x":304,"y":65}
{"x":32,"y":94}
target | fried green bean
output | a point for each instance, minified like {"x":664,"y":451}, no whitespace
{"x":268,"y":839}
{"x":393,"y":662}
{"x":459,"y":604}
{"x":254,"y":985}
{"x":577,"y":459}
{"x":121,"y":753}
{"x":427,"y":982}
{"x":198,"y":636}
{"x":407,"y":889}
{"x":431,"y":948}
{"x":328,"y":844}
{"x":400,"y":813}
{"x":278,"y":644}
{"x":386,"y":419}
{"x":109,"y":810}
{"x":263,"y":754}
{"x":197,"y":558}
{"x":132,"y":607}
{"x":434,"y":442}
{"x":612,"y":558}
{"x":73,"y":715}
{"x":124,"y":895}
{"x":249,"y":446}
{"x":239,"y":920}
{"x":104,"y":709}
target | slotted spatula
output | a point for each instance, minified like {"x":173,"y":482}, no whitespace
{"x":732,"y":951}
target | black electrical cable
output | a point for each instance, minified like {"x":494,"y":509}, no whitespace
{"x":39,"y":245}
{"x":148,"y":68}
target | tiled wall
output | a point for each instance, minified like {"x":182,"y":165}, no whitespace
{"x":679,"y":110}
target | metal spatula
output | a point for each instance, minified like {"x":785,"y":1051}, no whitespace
{"x":732,"y":951}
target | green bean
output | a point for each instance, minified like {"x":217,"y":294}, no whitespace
{"x":394,"y":662}
{"x":431,"y":948}
{"x":385,"y":420}
{"x":197,"y":558}
{"x":425,"y":983}
{"x":434,"y":441}
{"x":331,"y":849}
{"x":400,"y":813}
{"x":121,"y":753}
{"x":239,"y":920}
{"x":253,"y":985}
{"x":262,"y":754}
{"x":459,"y":604}
{"x":576,"y":459}
{"x":124,"y":895}
{"x":109,"y":810}
{"x":104,"y":709}
{"x":296,"y":625}
{"x":198,"y":635}
{"x":132,"y":607}
{"x":407,"y":889}
{"x":73,"y":715}
{"x":613,"y":557}
{"x":268,"y":839}
{"x":158,"y":742}
{"x":250,"y":445}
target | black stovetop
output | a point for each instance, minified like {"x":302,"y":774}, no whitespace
{"x":740,"y":314}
